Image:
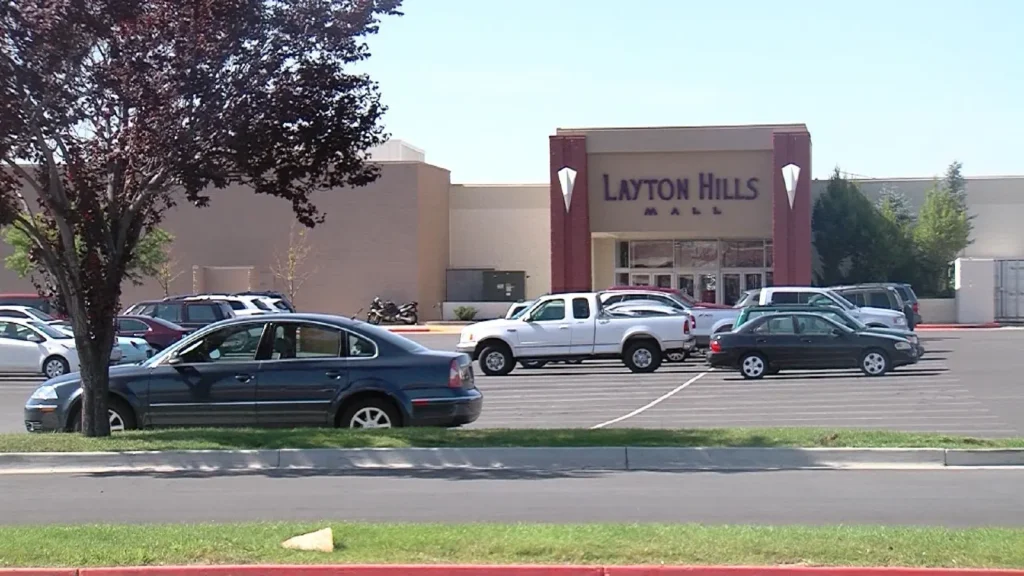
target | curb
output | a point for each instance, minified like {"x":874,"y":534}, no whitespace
{"x":611,"y":458}
{"x":956,"y":326}
{"x":501,"y":570}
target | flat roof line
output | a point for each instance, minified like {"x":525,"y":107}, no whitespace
{"x":793,"y":126}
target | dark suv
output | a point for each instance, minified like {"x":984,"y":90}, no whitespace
{"x":189,"y":314}
{"x":882,"y":295}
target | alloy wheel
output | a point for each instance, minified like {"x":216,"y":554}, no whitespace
{"x":495,"y":361}
{"x":54,"y":368}
{"x":116,"y":422}
{"x":874,"y":363}
{"x":753,"y":366}
{"x":370,"y":417}
{"x":642,"y":358}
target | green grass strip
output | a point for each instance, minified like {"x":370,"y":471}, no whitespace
{"x":122,"y":545}
{"x":226,"y":439}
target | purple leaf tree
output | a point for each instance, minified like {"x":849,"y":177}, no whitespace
{"x":113,"y":111}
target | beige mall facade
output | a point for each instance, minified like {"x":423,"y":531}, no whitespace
{"x":702,"y":209}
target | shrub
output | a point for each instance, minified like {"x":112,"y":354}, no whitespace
{"x":465,"y":313}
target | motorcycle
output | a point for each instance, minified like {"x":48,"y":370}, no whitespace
{"x":387,"y":312}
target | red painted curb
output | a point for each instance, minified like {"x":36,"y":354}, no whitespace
{"x":955,"y":326}
{"x":400,"y":330}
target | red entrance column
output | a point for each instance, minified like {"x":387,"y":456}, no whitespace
{"x":791,"y":227}
{"x":570,"y":229}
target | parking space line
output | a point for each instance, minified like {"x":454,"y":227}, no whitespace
{"x":654,"y":402}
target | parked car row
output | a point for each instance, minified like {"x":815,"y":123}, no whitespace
{"x":526,"y":334}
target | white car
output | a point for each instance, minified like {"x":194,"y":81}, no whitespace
{"x":813,"y":296}
{"x":33,"y":347}
{"x":573,"y":326}
{"x":125,"y":350}
{"x":653,"y":308}
{"x":704,"y":317}
{"x":24,"y":313}
{"x":241,"y":305}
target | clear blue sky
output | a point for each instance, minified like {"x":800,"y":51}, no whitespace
{"x":887,"y":88}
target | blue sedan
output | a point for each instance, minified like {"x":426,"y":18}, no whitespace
{"x":277,"y":370}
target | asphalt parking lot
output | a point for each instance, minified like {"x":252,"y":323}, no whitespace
{"x":969,"y":382}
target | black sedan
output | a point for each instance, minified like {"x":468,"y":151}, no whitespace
{"x":806,"y":341}
{"x":277,"y":370}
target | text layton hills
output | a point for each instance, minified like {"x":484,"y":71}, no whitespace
{"x":675,"y":189}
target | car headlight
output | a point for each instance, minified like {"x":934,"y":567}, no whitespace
{"x":903,"y":345}
{"x":900,"y":320}
{"x":44,"y":393}
{"x":914,"y":339}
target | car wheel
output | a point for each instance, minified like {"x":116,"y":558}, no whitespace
{"x":370,"y":413}
{"x":496,"y":361}
{"x":677,"y":356}
{"x":753,"y":366}
{"x":643,"y":357}
{"x":874,"y":363}
{"x":55,"y":366}
{"x":533,"y":364}
{"x":119,"y":414}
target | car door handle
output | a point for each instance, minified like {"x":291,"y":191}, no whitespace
{"x":243,"y":378}
{"x":808,"y":340}
{"x":510,"y":330}
{"x":563,"y":327}
{"x":333,"y":375}
{"x":761,"y":340}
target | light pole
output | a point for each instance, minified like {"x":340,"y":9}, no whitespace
{"x":790,"y":176}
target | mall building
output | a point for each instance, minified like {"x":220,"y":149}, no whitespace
{"x":710,"y":210}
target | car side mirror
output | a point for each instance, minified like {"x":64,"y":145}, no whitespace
{"x":836,"y":333}
{"x":35,"y":338}
{"x":175,"y":360}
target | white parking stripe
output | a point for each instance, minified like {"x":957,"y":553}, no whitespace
{"x":654,"y":402}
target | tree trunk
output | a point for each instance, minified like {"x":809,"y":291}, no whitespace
{"x":94,"y":338}
{"x":95,"y":386}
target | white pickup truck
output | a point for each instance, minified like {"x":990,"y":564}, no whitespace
{"x":812,"y":296}
{"x":574,"y":326}
{"x":705,"y":318}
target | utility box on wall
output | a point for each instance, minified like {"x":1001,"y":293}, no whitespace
{"x":975,"y":284}
{"x":504,"y":286}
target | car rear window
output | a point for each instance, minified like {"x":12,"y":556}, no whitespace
{"x":261,"y":305}
{"x":169,"y":312}
{"x":203,"y":313}
{"x":907,"y":293}
{"x":236,"y":305}
{"x":879,"y":299}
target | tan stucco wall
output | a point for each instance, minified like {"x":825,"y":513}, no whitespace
{"x":433,"y":238}
{"x":505,"y":227}
{"x":386,"y":239}
{"x":603,"y":262}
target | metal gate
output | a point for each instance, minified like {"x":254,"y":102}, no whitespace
{"x":1010,"y":290}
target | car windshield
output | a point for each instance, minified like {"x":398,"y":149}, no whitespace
{"x":38,"y":315}
{"x":841,"y":300}
{"x":845,"y":320}
{"x":50,"y":331}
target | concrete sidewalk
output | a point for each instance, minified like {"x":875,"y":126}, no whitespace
{"x":620,"y":458}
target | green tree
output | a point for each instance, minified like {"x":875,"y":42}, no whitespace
{"x":847,"y":232}
{"x":943,"y":230}
{"x":893,"y":205}
{"x":150,"y":254}
{"x":956,"y":184}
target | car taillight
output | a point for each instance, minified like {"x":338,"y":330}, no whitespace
{"x":915,"y":308}
{"x":716,"y":346}
{"x":686,"y":326}
{"x":454,"y":375}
